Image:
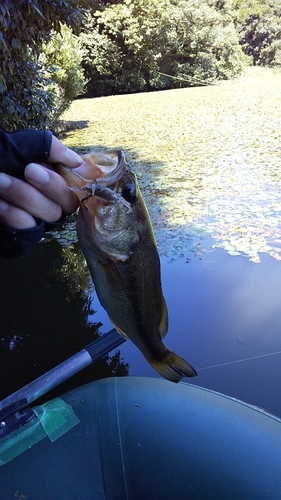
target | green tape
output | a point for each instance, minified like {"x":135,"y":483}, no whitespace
{"x":54,"y":419}
{"x":20,"y":440}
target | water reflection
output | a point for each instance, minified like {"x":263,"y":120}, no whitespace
{"x":44,"y":317}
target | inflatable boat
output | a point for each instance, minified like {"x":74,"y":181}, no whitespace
{"x":143,"y":439}
{"x":135,"y":439}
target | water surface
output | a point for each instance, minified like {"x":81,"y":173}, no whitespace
{"x":224,"y":314}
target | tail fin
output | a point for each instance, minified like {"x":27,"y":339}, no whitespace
{"x":172,"y":367}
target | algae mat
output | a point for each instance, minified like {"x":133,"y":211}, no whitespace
{"x":207,"y":159}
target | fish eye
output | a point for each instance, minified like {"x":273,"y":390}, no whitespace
{"x":129,"y":193}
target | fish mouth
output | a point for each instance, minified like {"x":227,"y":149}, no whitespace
{"x":114,"y":174}
{"x":108,"y":167}
{"x":99,"y":172}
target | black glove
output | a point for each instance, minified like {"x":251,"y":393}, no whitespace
{"x":20,"y":242}
{"x":16,"y":151}
{"x":22,"y":147}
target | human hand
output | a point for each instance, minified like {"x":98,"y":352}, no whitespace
{"x":44,"y":196}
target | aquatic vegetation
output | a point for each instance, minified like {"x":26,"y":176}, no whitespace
{"x":207,"y":160}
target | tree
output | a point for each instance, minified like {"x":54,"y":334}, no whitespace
{"x":133,"y":46}
{"x":61,"y":57}
{"x":24,"y":25}
{"x":258,"y":24}
{"x":207,"y":44}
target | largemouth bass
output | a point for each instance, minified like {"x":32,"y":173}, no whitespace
{"x":117,"y":240}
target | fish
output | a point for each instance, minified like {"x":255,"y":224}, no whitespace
{"x":117,"y":240}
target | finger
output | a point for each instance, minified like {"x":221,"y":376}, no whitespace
{"x":15,"y":217}
{"x":52,"y":185}
{"x":59,"y":153}
{"x":22,"y":195}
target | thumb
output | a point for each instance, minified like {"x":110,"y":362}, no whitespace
{"x":59,"y":153}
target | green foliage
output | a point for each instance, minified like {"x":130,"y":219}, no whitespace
{"x":143,"y":45}
{"x":24,"y":102}
{"x":62,"y":57}
{"x":258,"y":23}
{"x":26,"y":95}
{"x":208,"y":47}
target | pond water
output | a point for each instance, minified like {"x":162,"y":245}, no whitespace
{"x":215,"y":204}
{"x":224,"y":312}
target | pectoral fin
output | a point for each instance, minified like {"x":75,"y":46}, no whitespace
{"x":119,"y":330}
{"x":163,"y":327}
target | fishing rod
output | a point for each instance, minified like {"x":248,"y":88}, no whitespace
{"x":10,"y":407}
